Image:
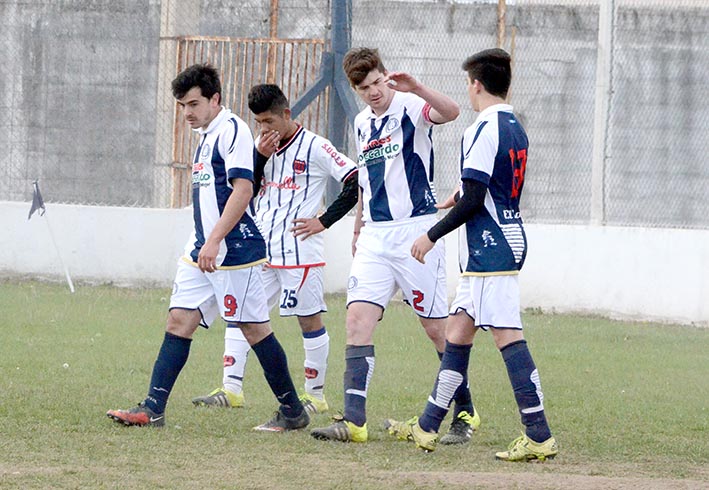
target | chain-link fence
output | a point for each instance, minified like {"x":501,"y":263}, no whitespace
{"x":613,"y":93}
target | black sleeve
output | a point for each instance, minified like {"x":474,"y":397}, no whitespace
{"x":259,"y":165}
{"x":472,"y":201}
{"x":345,"y":201}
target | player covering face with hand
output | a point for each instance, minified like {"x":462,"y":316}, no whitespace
{"x":292,"y":168}
{"x":493,"y":163}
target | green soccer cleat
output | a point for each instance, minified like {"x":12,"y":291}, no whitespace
{"x":525,"y":449}
{"x":281,"y":423}
{"x":461,"y":430}
{"x":412,"y":431}
{"x":314,"y":405}
{"x":341,"y":430}
{"x":220,"y":398}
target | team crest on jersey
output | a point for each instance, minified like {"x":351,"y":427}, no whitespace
{"x":488,"y":239}
{"x":299,"y":166}
{"x":392,"y":124}
{"x":205,"y":150}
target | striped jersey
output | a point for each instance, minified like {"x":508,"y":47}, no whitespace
{"x":395,"y":157}
{"x":225,"y":152}
{"x":494,"y":152}
{"x":294,"y":181}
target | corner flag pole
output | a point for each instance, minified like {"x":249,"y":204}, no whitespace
{"x":38,"y":204}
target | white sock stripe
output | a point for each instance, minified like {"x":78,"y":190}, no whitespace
{"x":534,"y":377}
{"x":370,"y":372}
{"x":362,"y":393}
{"x":538,"y":408}
{"x":448,"y":383}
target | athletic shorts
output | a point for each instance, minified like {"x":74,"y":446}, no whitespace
{"x":383,"y":264}
{"x":297,"y":291}
{"x":235,"y":294}
{"x":493,"y":301}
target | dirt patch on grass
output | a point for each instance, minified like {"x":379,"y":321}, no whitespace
{"x":549,"y":481}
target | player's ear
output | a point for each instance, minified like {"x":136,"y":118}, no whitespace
{"x":287,"y":114}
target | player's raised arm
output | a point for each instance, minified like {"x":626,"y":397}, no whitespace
{"x":443,"y":108}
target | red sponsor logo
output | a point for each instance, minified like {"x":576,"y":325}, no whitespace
{"x":376,"y":143}
{"x":196,"y":167}
{"x":288,"y":183}
{"x":298,"y":166}
{"x":311,"y":373}
{"x":334,"y":154}
{"x":229,"y":361}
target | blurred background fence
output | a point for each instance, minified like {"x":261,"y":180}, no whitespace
{"x":613,"y":93}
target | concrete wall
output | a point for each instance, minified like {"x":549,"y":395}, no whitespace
{"x":79,"y":85}
{"x":635,"y":273}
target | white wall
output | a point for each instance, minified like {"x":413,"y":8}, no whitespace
{"x":636,"y":273}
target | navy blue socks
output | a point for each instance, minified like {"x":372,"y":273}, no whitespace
{"x":359,"y":366}
{"x":273,"y":360}
{"x":452,"y":376}
{"x":527,"y":388}
{"x":171,"y":359}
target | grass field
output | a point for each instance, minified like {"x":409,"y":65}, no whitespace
{"x":627,"y":402}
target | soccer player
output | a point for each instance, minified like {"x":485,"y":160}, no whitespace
{"x":397,"y":204}
{"x":220,"y":272}
{"x":295,"y":165}
{"x":493,"y":162}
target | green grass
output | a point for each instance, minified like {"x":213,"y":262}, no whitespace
{"x":626,"y":401}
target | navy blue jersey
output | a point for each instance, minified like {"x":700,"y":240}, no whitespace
{"x":494,"y":152}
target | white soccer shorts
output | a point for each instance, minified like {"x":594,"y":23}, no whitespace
{"x":383,"y":263}
{"x":235,"y":294}
{"x":492,"y":300}
{"x":296,"y":291}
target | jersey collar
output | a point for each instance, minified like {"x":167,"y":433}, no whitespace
{"x":223,"y":114}
{"x":495,"y":108}
{"x":393,"y":108}
{"x":291,"y":140}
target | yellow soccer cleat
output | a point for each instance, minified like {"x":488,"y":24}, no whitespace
{"x":314,"y":405}
{"x":220,"y":398}
{"x":341,"y":430}
{"x":412,"y":431}
{"x":525,"y":449}
{"x":461,"y":429}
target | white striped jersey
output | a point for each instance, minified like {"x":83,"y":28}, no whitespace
{"x":225,"y":152}
{"x":494,"y":152}
{"x":294,"y":181}
{"x":395,"y":156}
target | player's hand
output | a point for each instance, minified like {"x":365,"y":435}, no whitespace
{"x":207,"y":258}
{"x":421,"y":247}
{"x":401,"y":82}
{"x":305,"y":227}
{"x":268,"y":142}
{"x":448,"y":203}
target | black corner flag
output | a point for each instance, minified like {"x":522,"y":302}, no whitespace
{"x":37,"y":201}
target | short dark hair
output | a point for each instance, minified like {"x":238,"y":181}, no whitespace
{"x":204,"y":76}
{"x":267,"y":97}
{"x":358,"y":62}
{"x":492,"y":68}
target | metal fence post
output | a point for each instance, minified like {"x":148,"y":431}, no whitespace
{"x":604,"y":92}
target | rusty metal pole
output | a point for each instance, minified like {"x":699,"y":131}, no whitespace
{"x":501,"y":18}
{"x":273,"y":35}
